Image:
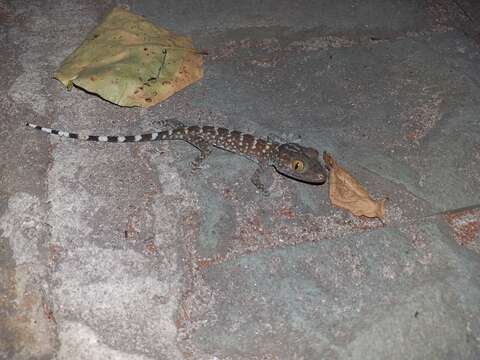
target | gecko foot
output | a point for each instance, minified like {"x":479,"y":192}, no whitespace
{"x":205,"y":151}
{"x":256,"y":179}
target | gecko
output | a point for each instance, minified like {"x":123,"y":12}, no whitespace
{"x":289,"y":159}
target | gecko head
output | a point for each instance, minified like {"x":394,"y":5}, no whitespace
{"x":300,"y":163}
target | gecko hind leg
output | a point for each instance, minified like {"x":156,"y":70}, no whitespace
{"x":205,"y":150}
{"x":172,"y":123}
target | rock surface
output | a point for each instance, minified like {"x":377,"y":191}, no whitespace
{"x":116,"y":251}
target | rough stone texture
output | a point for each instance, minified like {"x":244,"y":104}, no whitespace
{"x":120,"y":252}
{"x":382,"y":294}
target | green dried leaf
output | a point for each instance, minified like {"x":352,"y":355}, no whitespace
{"x":131,"y":62}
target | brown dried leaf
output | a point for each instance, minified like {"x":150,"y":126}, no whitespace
{"x":347,"y":193}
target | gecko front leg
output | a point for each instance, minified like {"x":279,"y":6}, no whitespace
{"x":256,"y":179}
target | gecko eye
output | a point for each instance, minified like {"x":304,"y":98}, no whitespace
{"x":298,"y":165}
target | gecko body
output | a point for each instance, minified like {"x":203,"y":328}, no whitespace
{"x":289,"y":159}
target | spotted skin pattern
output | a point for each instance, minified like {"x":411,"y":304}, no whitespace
{"x":289,"y":159}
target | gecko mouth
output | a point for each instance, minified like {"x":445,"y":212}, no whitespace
{"x":319,"y":180}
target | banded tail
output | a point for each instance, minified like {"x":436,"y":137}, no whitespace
{"x":163,"y":135}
